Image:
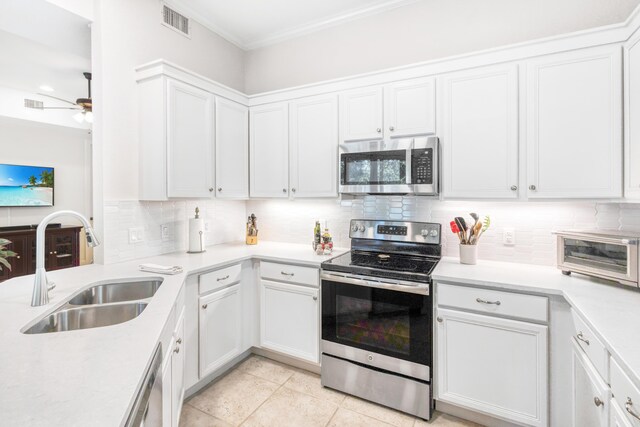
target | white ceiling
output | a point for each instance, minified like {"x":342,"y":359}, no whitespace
{"x":254,"y":23}
{"x":42,"y":44}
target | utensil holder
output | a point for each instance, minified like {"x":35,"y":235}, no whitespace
{"x":469,"y":254}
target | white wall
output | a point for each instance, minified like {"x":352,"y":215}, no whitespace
{"x":67,"y":150}
{"x":130,"y":34}
{"x":421,"y":31}
{"x":83,"y":8}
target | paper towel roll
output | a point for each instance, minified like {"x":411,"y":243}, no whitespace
{"x":196,"y":235}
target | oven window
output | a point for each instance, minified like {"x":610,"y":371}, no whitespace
{"x":375,"y":324}
{"x":393,"y":323}
{"x":375,"y":168}
{"x":603,"y":256}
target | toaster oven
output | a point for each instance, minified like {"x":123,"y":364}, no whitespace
{"x":607,"y":254}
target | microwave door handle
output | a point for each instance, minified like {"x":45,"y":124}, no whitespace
{"x":409,"y":169}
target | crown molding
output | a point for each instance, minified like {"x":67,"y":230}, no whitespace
{"x":184,"y":8}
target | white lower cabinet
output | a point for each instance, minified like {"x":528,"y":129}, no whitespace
{"x":289,"y":319}
{"x":617,"y":418}
{"x":492,"y":365}
{"x":220,"y":328}
{"x":590,"y":394}
{"x":177,"y":371}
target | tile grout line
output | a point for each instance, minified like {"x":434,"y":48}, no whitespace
{"x":265,"y":401}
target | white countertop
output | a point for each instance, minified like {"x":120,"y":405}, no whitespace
{"x":612,"y":311}
{"x":90,"y":377}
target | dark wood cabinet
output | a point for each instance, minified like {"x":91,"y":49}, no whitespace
{"x":62,"y":249}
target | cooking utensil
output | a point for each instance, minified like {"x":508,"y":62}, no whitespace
{"x":462,"y":225}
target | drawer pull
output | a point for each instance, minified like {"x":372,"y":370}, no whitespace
{"x":482,"y":301}
{"x":204,"y":306}
{"x":284,"y":273}
{"x":597,"y":401}
{"x":219,"y":279}
{"x":179,"y":340}
{"x":582,"y":338}
{"x":439,"y":319}
{"x":628,"y":406}
{"x":176,"y":350}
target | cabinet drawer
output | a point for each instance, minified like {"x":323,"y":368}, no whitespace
{"x":625,"y":393}
{"x":220,"y":278}
{"x":493,"y":302}
{"x":592,"y":346}
{"x":289,"y":273}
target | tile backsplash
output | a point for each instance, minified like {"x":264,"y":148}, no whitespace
{"x":292,"y":221}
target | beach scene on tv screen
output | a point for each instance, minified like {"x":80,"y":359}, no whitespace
{"x":26,"y":185}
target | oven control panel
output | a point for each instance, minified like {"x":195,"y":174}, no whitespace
{"x":399,"y":231}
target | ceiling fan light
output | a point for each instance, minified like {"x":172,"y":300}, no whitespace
{"x":79,"y":117}
{"x":88,"y":116}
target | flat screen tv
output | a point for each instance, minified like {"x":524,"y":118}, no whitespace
{"x":26,"y":185}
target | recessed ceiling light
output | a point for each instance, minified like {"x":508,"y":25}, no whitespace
{"x":46,"y":88}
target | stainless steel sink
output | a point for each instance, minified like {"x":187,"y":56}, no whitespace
{"x":107,"y":293}
{"x":69,"y":319}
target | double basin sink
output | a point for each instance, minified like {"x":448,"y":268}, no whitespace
{"x":103,"y":304}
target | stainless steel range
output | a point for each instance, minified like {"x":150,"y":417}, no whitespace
{"x":377,"y":314}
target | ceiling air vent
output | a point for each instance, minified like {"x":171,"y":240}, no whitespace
{"x":175,"y":20}
{"x":32,"y":103}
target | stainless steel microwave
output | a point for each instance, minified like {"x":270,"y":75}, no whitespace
{"x":398,"y":166}
{"x":608,"y":254}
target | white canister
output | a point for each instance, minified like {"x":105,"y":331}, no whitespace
{"x":469,"y":254}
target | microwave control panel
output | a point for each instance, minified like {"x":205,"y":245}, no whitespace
{"x":422,"y":166}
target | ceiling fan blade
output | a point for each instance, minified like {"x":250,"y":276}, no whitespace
{"x":59,"y":99}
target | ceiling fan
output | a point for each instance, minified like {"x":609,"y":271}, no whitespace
{"x":83,"y":105}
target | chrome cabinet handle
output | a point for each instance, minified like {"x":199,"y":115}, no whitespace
{"x":284,"y":190}
{"x":284,"y":273}
{"x":379,"y":130}
{"x":482,"y":301}
{"x":219,"y":279}
{"x":211,"y":189}
{"x":391,"y":128}
{"x":582,"y":338}
{"x":179,"y":340}
{"x":439,"y":319}
{"x":532,"y":187}
{"x":315,"y":298}
{"x":597,"y":401}
{"x":514,"y":187}
{"x":176,"y":350}
{"x":219,"y":189}
{"x":628,"y":406}
{"x":293,"y":190}
{"x":204,"y":306}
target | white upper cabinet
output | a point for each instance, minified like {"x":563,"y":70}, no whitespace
{"x":574,"y":124}
{"x":232,"y":150}
{"x":269,"y":150}
{"x":479,"y":133}
{"x":400,"y":109}
{"x":632,"y":117}
{"x":189,"y":141}
{"x":410,"y":108}
{"x":361,"y":114}
{"x":313,"y":158}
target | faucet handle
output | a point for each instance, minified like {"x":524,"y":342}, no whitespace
{"x":51,"y":285}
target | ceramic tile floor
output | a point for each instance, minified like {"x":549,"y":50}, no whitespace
{"x":261,"y":392}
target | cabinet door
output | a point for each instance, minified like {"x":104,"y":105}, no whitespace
{"x":617,"y":418}
{"x":492,"y":365}
{"x":269,"y":136}
{"x":590,"y":394}
{"x":361,"y":114}
{"x":574,"y":123}
{"x":632,"y":117}
{"x":480,"y":133}
{"x":19,"y":263}
{"x":410,"y":108}
{"x":232,"y":150}
{"x":177,"y":371}
{"x":289,"y":319}
{"x":189,"y":141}
{"x":313,"y":162}
{"x":64,"y":249}
{"x":220,"y":328}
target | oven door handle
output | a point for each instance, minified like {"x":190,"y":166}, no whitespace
{"x":397,"y":285}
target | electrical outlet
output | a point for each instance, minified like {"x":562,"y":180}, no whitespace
{"x":136,"y":235}
{"x":165,"y":232}
{"x":509,"y":236}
